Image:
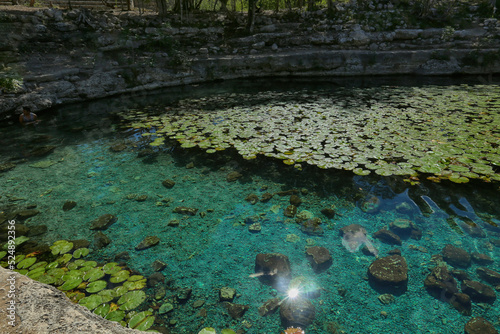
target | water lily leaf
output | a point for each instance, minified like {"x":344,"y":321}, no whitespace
{"x":61,"y":247}
{"x":46,"y":279}
{"x":120,"y":290}
{"x":91,"y":302}
{"x":75,"y":296}
{"x":56,"y":272}
{"x":116,"y":315}
{"x":131,"y":300}
{"x":135,"y":285}
{"x":27,"y":262}
{"x":102,"y":310}
{"x":2,"y":254}
{"x":64,"y":259}
{"x":93,"y":274}
{"x":42,"y":264}
{"x":134,"y":278}
{"x":70,"y":283}
{"x":79,"y":262}
{"x":111,"y":268}
{"x":17,"y":242}
{"x":96,"y":286}
{"x":35,"y":273}
{"x":107,"y":295}
{"x":119,"y":276}
{"x":52,"y":265}
{"x":80,"y":252}
{"x":141,"y":321}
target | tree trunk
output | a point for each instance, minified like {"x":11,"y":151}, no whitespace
{"x":162,"y":7}
{"x":251,"y":15}
{"x":310,"y":5}
{"x":130,"y":5}
{"x":223,"y":5}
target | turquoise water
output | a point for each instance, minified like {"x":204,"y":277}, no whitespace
{"x":218,"y":250}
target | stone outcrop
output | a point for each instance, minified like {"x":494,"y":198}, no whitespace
{"x":41,"y":308}
{"x":60,"y":57}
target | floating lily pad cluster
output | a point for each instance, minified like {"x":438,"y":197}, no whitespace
{"x":110,"y":291}
{"x":450,"y":132}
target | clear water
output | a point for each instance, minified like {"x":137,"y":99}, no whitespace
{"x":206,"y":254}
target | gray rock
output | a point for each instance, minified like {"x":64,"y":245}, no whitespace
{"x":45,"y":309}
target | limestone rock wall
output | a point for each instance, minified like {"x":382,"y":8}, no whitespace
{"x":69,"y":56}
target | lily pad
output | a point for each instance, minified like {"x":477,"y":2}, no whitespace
{"x":131,"y":300}
{"x":141,"y":321}
{"x":116,"y":315}
{"x":91,"y":302}
{"x":61,"y":247}
{"x":120,"y":276}
{"x":96,"y":286}
{"x":93,"y":274}
{"x":71,"y":283}
{"x":102,"y":310}
{"x":27,"y":262}
{"x":80,"y":252}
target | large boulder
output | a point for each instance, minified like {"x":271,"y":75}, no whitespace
{"x":456,"y":256}
{"x":479,"y":325}
{"x":389,"y":274}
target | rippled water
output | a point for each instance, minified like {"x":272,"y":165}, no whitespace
{"x":106,"y":167}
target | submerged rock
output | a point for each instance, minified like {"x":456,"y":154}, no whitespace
{"x":185,"y":210}
{"x":479,"y":292}
{"x":266,"y":197}
{"x":295,"y":200}
{"x":158,"y":265}
{"x":252,"y":199}
{"x":456,"y":256}
{"x":489,"y":275}
{"x":290,"y":211}
{"x":6,"y":166}
{"x":233,"y":176}
{"x":479,"y":325}
{"x":68,"y":205}
{"x":103,"y":222}
{"x":390,"y":272}
{"x":227,"y":294}
{"x":169,"y":184}
{"x":319,"y":257}
{"x":328,"y":212}
{"x":236,"y":311}
{"x":299,"y":312}
{"x":118,"y":147}
{"x":42,"y":150}
{"x":273,"y":268}
{"x":312,"y":226}
{"x":148,"y":242}
{"x":101,"y":240}
{"x":481,"y":258}
{"x":388,"y":237}
{"x":25,"y":214}
{"x":269,"y":307}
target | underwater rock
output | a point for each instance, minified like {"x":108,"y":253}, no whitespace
{"x":148,"y":242}
{"x":479,"y":292}
{"x":122,"y":257}
{"x":312,"y":226}
{"x":462,"y":303}
{"x":288,"y":192}
{"x":371,"y":204}
{"x":37,"y":230}
{"x":101,"y":240}
{"x":103,"y":222}
{"x":6,"y":167}
{"x":160,"y":293}
{"x":303,"y":216}
{"x":169,"y":184}
{"x":388,"y":237}
{"x":489,"y":275}
{"x":173,"y":222}
{"x":354,"y":236}
{"x":394,"y":251}
{"x":298,"y":312}
{"x":183,"y":210}
{"x":290,"y":211}
{"x":233,"y":176}
{"x":295,"y":200}
{"x":273,"y":268}
{"x":165,"y":308}
{"x":456,"y":256}
{"x":227,"y":294}
{"x":319,"y":257}
{"x":405,"y":229}
{"x":236,"y":311}
{"x":158,"y":265}
{"x":190,"y":165}
{"x":21,"y":229}
{"x":481,"y":258}
{"x":155,"y":279}
{"x":25,"y":214}
{"x":266,"y":197}
{"x":495,"y":242}
{"x":269,"y":307}
{"x":68,"y":205}
{"x":479,"y":325}
{"x":141,"y":198}
{"x":42,"y":150}
{"x":198,"y":303}
{"x":386,"y":298}
{"x":471,"y":228}
{"x":328,"y":212}
{"x":252,"y":199}
{"x":460,"y":274}
{"x":80,"y":243}
{"x":118,"y":147}
{"x":440,"y":283}
{"x":184,"y":294}
{"x":390,"y":272}
{"x":147,"y":152}
{"x":252,"y":219}
{"x":255,"y":227}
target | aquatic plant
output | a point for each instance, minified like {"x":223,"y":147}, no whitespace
{"x":437,"y":132}
{"x":86,"y":283}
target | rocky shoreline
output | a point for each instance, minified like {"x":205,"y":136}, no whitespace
{"x":56,"y":57}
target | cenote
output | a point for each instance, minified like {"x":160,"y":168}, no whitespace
{"x":208,"y":176}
